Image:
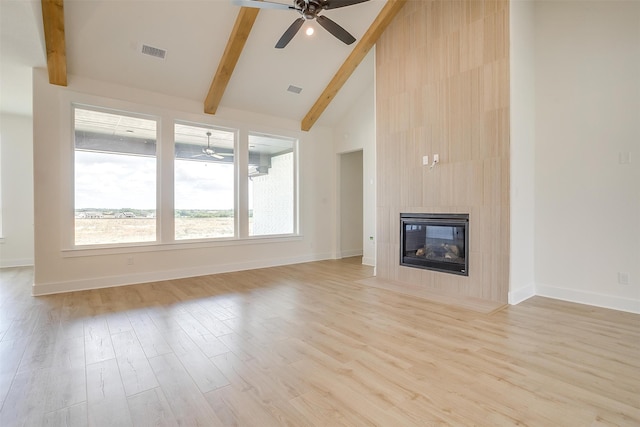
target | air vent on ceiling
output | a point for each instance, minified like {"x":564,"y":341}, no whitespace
{"x":294,"y":89}
{"x":153,"y":51}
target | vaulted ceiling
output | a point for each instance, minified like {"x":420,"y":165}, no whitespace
{"x":203,"y":40}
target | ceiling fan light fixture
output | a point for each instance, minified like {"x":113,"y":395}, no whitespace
{"x":309,"y":31}
{"x":308,"y":9}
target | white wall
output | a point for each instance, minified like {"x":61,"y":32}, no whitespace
{"x":357,"y":131}
{"x":351,"y":199}
{"x":587,"y":110}
{"x":522,"y":150}
{"x":59,"y":268}
{"x":16,"y":135}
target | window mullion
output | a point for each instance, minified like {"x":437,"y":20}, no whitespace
{"x":165,"y":189}
{"x":242,"y":192}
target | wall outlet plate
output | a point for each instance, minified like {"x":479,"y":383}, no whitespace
{"x":624,"y":278}
{"x":624,"y":158}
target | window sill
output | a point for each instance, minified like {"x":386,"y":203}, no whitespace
{"x":83,"y":251}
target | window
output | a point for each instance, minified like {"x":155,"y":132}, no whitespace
{"x":272,"y":185}
{"x":222,"y":183}
{"x":204,"y":182}
{"x":115,"y":177}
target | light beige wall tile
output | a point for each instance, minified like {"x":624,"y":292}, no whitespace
{"x":443,"y":88}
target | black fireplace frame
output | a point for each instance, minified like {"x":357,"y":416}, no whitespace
{"x":455,"y":220}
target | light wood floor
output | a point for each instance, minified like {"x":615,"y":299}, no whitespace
{"x":306,"y":345}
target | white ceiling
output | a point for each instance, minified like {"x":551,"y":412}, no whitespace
{"x":104,"y":38}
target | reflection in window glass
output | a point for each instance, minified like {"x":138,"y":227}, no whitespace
{"x":271,"y":185}
{"x":115,"y":178}
{"x":204,"y":182}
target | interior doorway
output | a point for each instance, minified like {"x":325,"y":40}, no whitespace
{"x":351,"y":214}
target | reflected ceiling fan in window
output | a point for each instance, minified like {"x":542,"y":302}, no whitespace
{"x":309,"y":10}
{"x":208,"y":151}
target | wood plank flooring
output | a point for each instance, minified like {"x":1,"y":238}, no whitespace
{"x":307,"y":345}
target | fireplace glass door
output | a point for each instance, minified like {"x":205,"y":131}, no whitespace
{"x":435,"y":242}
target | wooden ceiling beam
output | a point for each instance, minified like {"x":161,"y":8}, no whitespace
{"x":241,"y":29}
{"x":53,"y":23}
{"x":384,"y":18}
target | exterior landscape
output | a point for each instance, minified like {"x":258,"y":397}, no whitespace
{"x":107,"y":226}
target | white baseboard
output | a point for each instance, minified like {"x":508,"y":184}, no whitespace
{"x":17,"y":262}
{"x":518,"y":295}
{"x":157,"y":276}
{"x":350,"y":253}
{"x":589,"y":298}
{"x":369,"y":261}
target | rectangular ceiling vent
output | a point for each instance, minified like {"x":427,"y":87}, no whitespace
{"x":294,"y":89}
{"x":153,"y":51}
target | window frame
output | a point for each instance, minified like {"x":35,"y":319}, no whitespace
{"x":236,"y":182}
{"x":158,"y":121}
{"x":165,"y":157}
{"x":296,"y":209}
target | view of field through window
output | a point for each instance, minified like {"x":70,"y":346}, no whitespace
{"x":115,"y":171}
{"x":204,"y":190}
{"x":115,"y":178}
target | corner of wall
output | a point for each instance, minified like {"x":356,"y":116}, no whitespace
{"x":522,"y":152}
{"x":516,"y":296}
{"x":17,"y":246}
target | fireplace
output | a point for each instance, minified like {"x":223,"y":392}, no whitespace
{"x":437,"y":242}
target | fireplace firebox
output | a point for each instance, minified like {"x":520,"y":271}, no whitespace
{"x":437,"y":242}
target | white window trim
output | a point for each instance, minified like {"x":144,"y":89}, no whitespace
{"x":164,"y":199}
{"x":296,"y":177}
{"x":158,"y":120}
{"x":83,"y":251}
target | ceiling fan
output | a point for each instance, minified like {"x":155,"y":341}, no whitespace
{"x":309,"y":10}
{"x":210,"y":152}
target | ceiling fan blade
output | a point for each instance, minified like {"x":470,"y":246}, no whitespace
{"x":335,"y":29}
{"x":288,"y":35}
{"x":262,"y":4}
{"x":334,"y":4}
{"x":217,"y":156}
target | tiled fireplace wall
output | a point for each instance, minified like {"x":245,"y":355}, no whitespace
{"x":442,"y":87}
